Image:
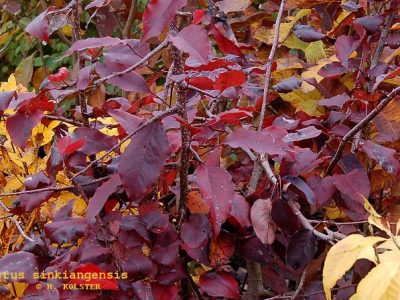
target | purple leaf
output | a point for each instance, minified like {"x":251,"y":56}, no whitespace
{"x":302,"y":134}
{"x":128,"y":121}
{"x":308,"y":35}
{"x":5,"y":99}
{"x":196,"y":231}
{"x":66,"y":231}
{"x":39,"y":26}
{"x":269,"y":141}
{"x":302,"y":186}
{"x":159,"y":14}
{"x":370,"y":23}
{"x":20,"y":125}
{"x":194,"y":41}
{"x":288,"y":85}
{"x":301,"y":249}
{"x":80,"y":45}
{"x":96,"y":203}
{"x":20,"y":262}
{"x":384,"y":156}
{"x":143,"y":160}
{"x":323,"y":188}
{"x":336,"y":101}
{"x":241,"y":211}
{"x":332,"y":70}
{"x":218,"y":191}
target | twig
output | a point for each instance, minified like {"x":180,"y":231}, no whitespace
{"x":15,"y":221}
{"x":141,"y":127}
{"x":149,"y":55}
{"x":79,"y":61}
{"x":381,"y":43}
{"x":364,"y":122}
{"x":53,"y":189}
{"x":129,"y":21}
{"x":268,"y":69}
{"x":301,"y":284}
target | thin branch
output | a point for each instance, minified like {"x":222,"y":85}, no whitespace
{"x":129,"y":21}
{"x":301,"y":284}
{"x":382,"y":40}
{"x":268,"y":69}
{"x":141,"y":127}
{"x":364,"y":122}
{"x":52,"y":189}
{"x":178,"y":62}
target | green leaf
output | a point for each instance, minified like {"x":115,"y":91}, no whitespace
{"x":24,"y":71}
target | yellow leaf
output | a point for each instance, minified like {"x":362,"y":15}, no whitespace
{"x":334,"y":213}
{"x":375,"y":219}
{"x":67,"y":30}
{"x":293,"y":42}
{"x":267,"y":35}
{"x":24,"y":71}
{"x":316,"y":51}
{"x":307,"y":102}
{"x":381,"y":283}
{"x":13,"y":184}
{"x":343,"y":255}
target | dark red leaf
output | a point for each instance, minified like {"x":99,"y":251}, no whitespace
{"x":159,"y":14}
{"x":231,"y":78}
{"x":164,"y":292}
{"x":283,"y":216}
{"x":194,"y":41}
{"x":105,"y":283}
{"x":19,"y":126}
{"x":302,"y":160}
{"x":218,"y":191}
{"x":219,"y":284}
{"x":196,"y":231}
{"x":66,"y":145}
{"x":225,"y":45}
{"x":39,"y":26}
{"x":262,"y":222}
{"x":143,"y":160}
{"x":241,"y":211}
{"x":301,"y":249}
{"x":203,"y":83}
{"x":233,"y":116}
{"x":96,"y":203}
{"x":17,"y":263}
{"x":384,"y":156}
{"x":198,"y":16}
{"x":60,"y":76}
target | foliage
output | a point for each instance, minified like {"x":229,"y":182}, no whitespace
{"x":229,"y":149}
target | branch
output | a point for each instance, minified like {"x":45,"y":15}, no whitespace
{"x":178,"y":68}
{"x":364,"y":122}
{"x":381,"y":43}
{"x":261,"y":163}
{"x":129,"y":21}
{"x":141,"y":127}
{"x":15,"y":221}
{"x":301,"y":284}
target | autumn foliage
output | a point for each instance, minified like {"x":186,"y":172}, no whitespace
{"x":200,"y":149}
